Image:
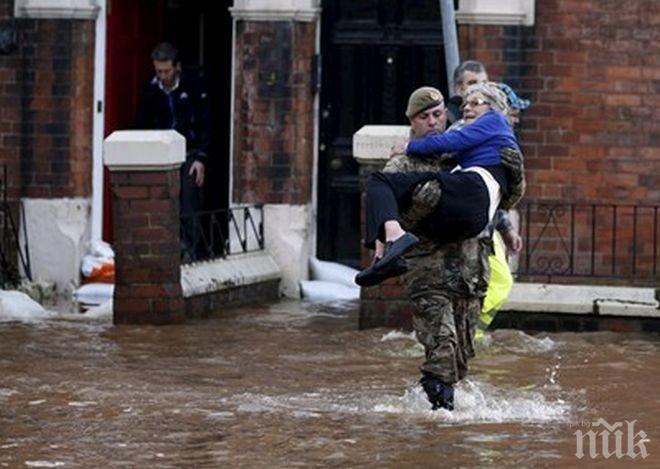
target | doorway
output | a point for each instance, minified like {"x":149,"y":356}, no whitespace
{"x":374,"y":54}
{"x":202,"y":32}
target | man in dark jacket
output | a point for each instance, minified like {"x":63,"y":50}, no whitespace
{"x":176,"y":100}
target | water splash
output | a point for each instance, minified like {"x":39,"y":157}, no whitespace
{"x":520,"y":343}
{"x":44,"y":463}
{"x":402,"y":344}
{"x":476,"y":402}
{"x":398,"y":335}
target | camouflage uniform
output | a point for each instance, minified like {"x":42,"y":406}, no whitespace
{"x":446,"y":283}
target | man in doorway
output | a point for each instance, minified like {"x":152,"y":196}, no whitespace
{"x":448,"y":282}
{"x":175,"y":100}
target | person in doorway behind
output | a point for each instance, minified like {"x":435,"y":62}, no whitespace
{"x":471,"y":192}
{"x":469,"y":72}
{"x":176,"y":100}
{"x":446,"y":282}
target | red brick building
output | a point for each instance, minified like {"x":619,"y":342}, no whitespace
{"x":294,"y":79}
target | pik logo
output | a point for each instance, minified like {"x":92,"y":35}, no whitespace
{"x":610,"y":440}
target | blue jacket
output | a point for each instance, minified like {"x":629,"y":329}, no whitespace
{"x":476,"y":144}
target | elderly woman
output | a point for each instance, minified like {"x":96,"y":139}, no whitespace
{"x":470,"y":193}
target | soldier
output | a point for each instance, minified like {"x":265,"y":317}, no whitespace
{"x":446,"y":283}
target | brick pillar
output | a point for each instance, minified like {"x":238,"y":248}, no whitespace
{"x":145,"y":179}
{"x":384,"y":305}
{"x":274,"y":121}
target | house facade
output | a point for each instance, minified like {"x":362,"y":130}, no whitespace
{"x":292,"y":80}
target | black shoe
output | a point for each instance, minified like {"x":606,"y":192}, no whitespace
{"x":373,"y":276}
{"x":395,"y":249}
{"x":441,"y":395}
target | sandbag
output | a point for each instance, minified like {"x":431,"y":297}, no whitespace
{"x":17,"y":306}
{"x":92,"y":294}
{"x":332,"y":272}
{"x":98,"y":265}
{"x":320,"y":290}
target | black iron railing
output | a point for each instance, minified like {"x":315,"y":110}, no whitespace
{"x":215,"y":234}
{"x":614,"y":242}
{"x":14,"y":255}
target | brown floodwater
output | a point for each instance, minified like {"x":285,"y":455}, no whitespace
{"x":297,"y":385}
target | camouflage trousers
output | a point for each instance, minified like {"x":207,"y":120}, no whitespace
{"x":447,"y":290}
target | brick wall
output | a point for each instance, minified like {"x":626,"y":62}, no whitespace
{"x":592,"y":71}
{"x":46,"y":95}
{"x":273,"y":119}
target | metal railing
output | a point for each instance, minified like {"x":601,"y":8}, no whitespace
{"x":14,"y":256}
{"x":215,"y":234}
{"x":617,"y":243}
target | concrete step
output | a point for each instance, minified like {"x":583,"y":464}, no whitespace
{"x":583,"y":299}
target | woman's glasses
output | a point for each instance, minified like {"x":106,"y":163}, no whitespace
{"x":474,"y":103}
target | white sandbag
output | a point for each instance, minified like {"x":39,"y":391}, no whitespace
{"x":17,"y":306}
{"x":332,"y":272}
{"x":102,"y":311}
{"x":94,"y":293}
{"x":319,"y":290}
{"x":99,"y":248}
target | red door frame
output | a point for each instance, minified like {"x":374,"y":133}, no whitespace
{"x":133,"y":29}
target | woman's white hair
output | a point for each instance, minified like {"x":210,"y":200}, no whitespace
{"x":492,"y":93}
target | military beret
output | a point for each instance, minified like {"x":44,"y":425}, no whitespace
{"x":422,"y":99}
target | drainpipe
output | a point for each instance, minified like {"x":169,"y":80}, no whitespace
{"x":98,"y":121}
{"x":450,"y":40}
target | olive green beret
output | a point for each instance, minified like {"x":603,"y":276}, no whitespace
{"x":422,"y":99}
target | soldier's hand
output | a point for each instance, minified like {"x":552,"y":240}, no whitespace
{"x":512,"y":240}
{"x":512,"y":160}
{"x":398,"y":149}
{"x":197,"y":172}
{"x":424,"y":200}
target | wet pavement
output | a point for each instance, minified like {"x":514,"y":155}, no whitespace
{"x":297,"y":385}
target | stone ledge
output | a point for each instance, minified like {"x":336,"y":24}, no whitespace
{"x":234,"y":271}
{"x":65,"y":9}
{"x":582,"y":299}
{"x":372,"y":143}
{"x":144,"y":150}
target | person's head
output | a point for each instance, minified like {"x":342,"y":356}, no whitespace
{"x":426,"y":111}
{"x":515,"y":103}
{"x":480,"y":98}
{"x":166,"y":63}
{"x":469,"y":72}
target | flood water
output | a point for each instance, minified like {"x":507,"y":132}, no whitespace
{"x":297,"y":385}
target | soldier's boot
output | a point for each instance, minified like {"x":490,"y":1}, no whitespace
{"x":440,"y":395}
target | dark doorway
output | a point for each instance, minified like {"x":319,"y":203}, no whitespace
{"x":374,"y":54}
{"x":202,"y":31}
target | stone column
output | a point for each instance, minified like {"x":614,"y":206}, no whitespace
{"x":145,"y":179}
{"x":385,"y":305}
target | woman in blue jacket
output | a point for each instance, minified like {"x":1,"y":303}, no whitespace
{"x":471,"y":192}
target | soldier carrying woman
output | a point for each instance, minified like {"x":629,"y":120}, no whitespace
{"x":449,"y":211}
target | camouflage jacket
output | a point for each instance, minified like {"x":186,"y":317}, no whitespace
{"x":463,"y":266}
